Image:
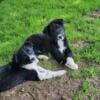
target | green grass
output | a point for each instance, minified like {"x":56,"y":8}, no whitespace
{"x":85,"y":72}
{"x":85,"y":89}
{"x":21,"y":18}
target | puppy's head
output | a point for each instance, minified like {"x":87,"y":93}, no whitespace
{"x":25,"y":55}
{"x":55,"y":29}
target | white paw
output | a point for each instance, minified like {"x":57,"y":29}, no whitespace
{"x":72,"y":66}
{"x":43,"y":57}
{"x":61,"y":72}
{"x":51,"y":74}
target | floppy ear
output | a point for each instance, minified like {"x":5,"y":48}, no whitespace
{"x":52,"y":23}
{"x":28,"y":43}
{"x":46,"y":29}
{"x":15,"y":58}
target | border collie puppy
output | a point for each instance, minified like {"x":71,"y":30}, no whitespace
{"x":59,"y":47}
{"x":24,"y":65}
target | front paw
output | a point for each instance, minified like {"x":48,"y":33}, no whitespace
{"x":72,"y":66}
{"x":43,"y":57}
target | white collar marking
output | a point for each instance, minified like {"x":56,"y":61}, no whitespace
{"x":30,"y":66}
{"x":61,"y":45}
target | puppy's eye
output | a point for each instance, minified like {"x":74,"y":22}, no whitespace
{"x":28,"y":51}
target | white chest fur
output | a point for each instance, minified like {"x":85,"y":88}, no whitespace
{"x":30,"y":66}
{"x":61,"y":46}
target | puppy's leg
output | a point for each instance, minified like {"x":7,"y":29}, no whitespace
{"x":48,"y":74}
{"x":69,"y":59}
{"x":56,"y":54}
{"x":43,"y":73}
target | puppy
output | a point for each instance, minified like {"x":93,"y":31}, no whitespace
{"x":28,"y":59}
{"x":24,"y":65}
{"x":59,"y":47}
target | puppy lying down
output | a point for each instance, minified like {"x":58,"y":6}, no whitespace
{"x":24,"y":65}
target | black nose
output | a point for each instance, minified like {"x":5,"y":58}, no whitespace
{"x":33,"y":59}
{"x":60,"y":37}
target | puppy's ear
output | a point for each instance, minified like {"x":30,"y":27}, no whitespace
{"x":58,"y":21}
{"x":28,"y":43}
{"x":46,"y":30}
{"x":15,"y":58}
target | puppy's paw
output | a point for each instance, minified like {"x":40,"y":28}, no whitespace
{"x":72,"y":66}
{"x":62,"y":72}
{"x":43,"y":57}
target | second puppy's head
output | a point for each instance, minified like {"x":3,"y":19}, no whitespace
{"x":55,"y":29}
{"x":25,"y":55}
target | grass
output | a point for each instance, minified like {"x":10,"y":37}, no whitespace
{"x":21,"y":18}
{"x":85,"y":89}
{"x":85,"y":72}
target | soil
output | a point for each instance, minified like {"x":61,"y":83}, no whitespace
{"x":62,"y":88}
{"x":54,"y":89}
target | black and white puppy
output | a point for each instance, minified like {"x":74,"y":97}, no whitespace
{"x":27,"y":58}
{"x":59,"y":47}
{"x":24,"y":65}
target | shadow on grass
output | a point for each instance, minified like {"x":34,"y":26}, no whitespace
{"x":1,"y":1}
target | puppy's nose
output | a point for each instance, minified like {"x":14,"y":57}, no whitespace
{"x":60,"y":37}
{"x":34,"y":59}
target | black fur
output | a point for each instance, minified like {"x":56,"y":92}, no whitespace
{"x":44,"y":43}
{"x":16,"y":76}
{"x":52,"y":30}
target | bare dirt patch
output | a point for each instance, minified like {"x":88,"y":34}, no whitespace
{"x":96,"y":90}
{"x":80,"y":44}
{"x":84,"y":63}
{"x":95,"y":14}
{"x":55,"y":89}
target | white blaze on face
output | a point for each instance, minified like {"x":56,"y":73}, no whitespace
{"x":31,"y":66}
{"x":61,"y":43}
